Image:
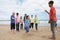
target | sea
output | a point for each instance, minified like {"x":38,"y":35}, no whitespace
{"x":41,"y":23}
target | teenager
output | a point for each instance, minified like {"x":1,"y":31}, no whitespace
{"x":17,"y":21}
{"x":27,"y":24}
{"x":13,"y":22}
{"x":21,"y":23}
{"x":32,"y":22}
{"x":36,"y":22}
{"x":25,"y":17}
{"x":53,"y":18}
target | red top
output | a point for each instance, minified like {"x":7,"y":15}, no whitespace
{"x":52,"y":9}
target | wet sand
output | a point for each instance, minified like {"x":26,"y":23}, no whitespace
{"x":43,"y":33}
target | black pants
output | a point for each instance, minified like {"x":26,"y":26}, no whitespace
{"x":21,"y":26}
{"x":12,"y":26}
{"x":31,"y":25}
{"x":36,"y":25}
{"x":17,"y":27}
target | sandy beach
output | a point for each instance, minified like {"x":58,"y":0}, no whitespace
{"x":44,"y":33}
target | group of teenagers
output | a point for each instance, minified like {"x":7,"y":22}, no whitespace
{"x":29,"y":22}
{"x":17,"y":22}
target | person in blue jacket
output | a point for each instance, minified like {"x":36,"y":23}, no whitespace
{"x":27,"y":24}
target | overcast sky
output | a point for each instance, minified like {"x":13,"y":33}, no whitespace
{"x":31,"y":7}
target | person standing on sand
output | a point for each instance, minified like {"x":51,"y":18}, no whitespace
{"x":25,"y":17}
{"x":53,"y":18}
{"x":32,"y":22}
{"x":36,"y":22}
{"x":17,"y":21}
{"x":13,"y":22}
{"x":21,"y":23}
{"x":27,"y":24}
{"x":29,"y":20}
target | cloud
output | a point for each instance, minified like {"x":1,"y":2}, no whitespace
{"x":26,"y":6}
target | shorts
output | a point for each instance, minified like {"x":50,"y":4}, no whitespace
{"x":12,"y":26}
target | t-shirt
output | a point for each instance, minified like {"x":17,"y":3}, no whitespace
{"x":36,"y":20}
{"x":52,"y":9}
{"x":32,"y":20}
{"x":12,"y":19}
{"x":17,"y":19}
{"x":21,"y":21}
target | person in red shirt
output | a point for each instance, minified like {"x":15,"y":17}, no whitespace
{"x":53,"y":18}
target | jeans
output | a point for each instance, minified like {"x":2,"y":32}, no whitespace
{"x":17,"y":27}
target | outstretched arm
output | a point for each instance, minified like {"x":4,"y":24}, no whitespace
{"x":46,"y":11}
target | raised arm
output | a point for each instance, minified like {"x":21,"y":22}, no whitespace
{"x":46,"y":11}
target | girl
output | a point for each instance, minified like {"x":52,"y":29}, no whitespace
{"x":27,"y":24}
{"x":17,"y":21}
{"x":21,"y":23}
{"x":32,"y":22}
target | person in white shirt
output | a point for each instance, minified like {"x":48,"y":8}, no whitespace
{"x":21,"y":23}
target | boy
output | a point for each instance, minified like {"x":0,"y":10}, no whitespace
{"x":13,"y":22}
{"x":53,"y":18}
{"x":27,"y":24}
{"x":25,"y":17}
{"x":36,"y":22}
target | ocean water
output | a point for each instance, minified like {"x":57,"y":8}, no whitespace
{"x":41,"y":23}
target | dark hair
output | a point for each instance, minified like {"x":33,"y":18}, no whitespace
{"x":31,"y":15}
{"x":51,"y":2}
{"x":26,"y":17}
{"x":25,"y":14}
{"x":17,"y":13}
